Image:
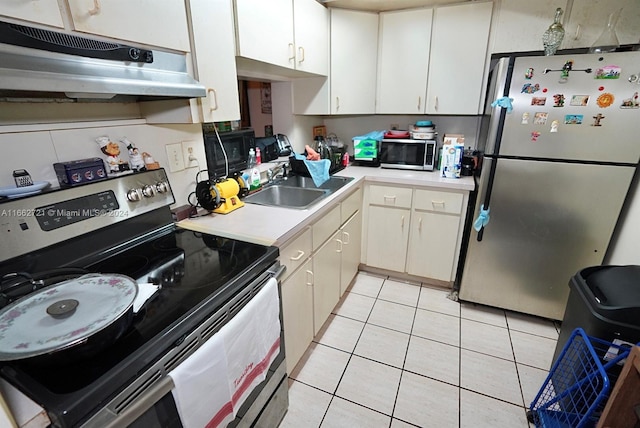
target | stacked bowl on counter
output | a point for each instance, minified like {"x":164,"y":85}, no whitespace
{"x":423,"y":130}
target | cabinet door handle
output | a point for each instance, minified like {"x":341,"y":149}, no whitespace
{"x":347,"y":238}
{"x":213,"y":100}
{"x":578,"y":32}
{"x":96,"y":8}
{"x":419,"y":224}
{"x":339,"y":249}
{"x":402,"y":223}
{"x":390,"y":198}
{"x":309,"y":276}
{"x":301,"y":54}
{"x":298,"y":257}
{"x":436,"y":104}
{"x":292,"y":52}
{"x":437,"y":203}
{"x":337,"y":103}
{"x":419,"y":102}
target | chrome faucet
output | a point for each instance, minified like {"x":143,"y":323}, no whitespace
{"x":280,"y":170}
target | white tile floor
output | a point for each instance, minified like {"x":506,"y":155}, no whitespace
{"x":395,"y":354}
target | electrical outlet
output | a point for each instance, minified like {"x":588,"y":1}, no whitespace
{"x":395,"y":126}
{"x":174,"y":155}
{"x":189,"y":154}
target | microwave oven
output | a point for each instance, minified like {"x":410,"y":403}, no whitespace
{"x":401,"y":153}
{"x":236,"y":146}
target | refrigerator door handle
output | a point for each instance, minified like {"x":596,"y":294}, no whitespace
{"x":498,"y":140}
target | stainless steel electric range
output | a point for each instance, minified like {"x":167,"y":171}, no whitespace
{"x":123,"y":225}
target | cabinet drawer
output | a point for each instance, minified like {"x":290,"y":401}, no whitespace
{"x":294,"y":254}
{"x":350,"y":205}
{"x":390,"y":196}
{"x":326,"y":226}
{"x":434,"y":200}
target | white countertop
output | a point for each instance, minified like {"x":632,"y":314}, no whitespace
{"x":268,"y":225}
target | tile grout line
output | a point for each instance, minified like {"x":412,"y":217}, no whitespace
{"x":333,"y":395}
{"x":404,"y":361}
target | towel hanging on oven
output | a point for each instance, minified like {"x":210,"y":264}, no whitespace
{"x":240,"y":352}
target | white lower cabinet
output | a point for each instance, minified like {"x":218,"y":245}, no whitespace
{"x":415,"y":231}
{"x":387,"y":235}
{"x":326,"y":280}
{"x":297,"y":304}
{"x":351,"y":237}
{"x":321,"y":262}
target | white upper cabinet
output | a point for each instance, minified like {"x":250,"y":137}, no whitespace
{"x":458,"y":50}
{"x":311,"y":31}
{"x":287,"y":33}
{"x":214,"y":59}
{"x":264,"y":31}
{"x":403,"y":61}
{"x":589,"y":18}
{"x":150,"y":22}
{"x":519,"y":24}
{"x":40,"y":11}
{"x":354,"y":51}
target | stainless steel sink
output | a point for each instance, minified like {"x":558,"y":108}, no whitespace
{"x":333,"y":183}
{"x":296,"y":192}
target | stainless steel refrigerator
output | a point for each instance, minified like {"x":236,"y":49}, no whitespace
{"x":562,"y":147}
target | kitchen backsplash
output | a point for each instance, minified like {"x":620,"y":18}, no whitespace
{"x":36,"y":151}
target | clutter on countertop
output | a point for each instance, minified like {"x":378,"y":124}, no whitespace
{"x":366,"y":148}
{"x":115,"y":164}
{"x":452,"y":152}
{"x":74,"y":173}
{"x":317,"y":169}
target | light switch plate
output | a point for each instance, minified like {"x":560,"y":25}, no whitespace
{"x":175,"y":158}
{"x":189,"y":154}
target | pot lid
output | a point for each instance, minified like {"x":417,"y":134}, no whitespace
{"x":63,"y":314}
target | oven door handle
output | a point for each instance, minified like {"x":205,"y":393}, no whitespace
{"x":140,"y":406}
{"x":277,"y":270}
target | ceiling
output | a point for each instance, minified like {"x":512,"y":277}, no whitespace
{"x":382,"y":5}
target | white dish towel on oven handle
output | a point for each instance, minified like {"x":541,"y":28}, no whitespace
{"x":211,"y":385}
{"x":251,"y":342}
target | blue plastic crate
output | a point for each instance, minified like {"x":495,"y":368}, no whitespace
{"x":578,"y":384}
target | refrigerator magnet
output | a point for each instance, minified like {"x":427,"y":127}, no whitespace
{"x":631,"y":102}
{"x":573,"y":119}
{"x":554,"y":125}
{"x":608,"y":72}
{"x":534,"y":136}
{"x":540,"y":118}
{"x":529,"y":74}
{"x":597,"y":119}
{"x":558,"y":100}
{"x":579,"y":100}
{"x":529,"y":88}
{"x":525,"y":118}
{"x":605,"y":100}
{"x":538,"y":101}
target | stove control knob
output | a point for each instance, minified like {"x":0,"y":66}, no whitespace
{"x":134,"y":195}
{"x":149,"y":191}
{"x":162,"y":187}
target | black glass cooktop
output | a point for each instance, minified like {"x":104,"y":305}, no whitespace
{"x":197,"y":273}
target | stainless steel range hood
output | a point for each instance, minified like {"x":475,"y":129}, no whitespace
{"x":41,"y":64}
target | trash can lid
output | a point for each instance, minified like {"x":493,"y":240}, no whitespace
{"x":611,"y":291}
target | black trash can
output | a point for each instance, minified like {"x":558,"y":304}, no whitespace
{"x":605,"y":302}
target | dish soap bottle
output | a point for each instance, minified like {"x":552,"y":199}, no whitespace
{"x":258,"y":156}
{"x":255,"y":179}
{"x":251,"y":162}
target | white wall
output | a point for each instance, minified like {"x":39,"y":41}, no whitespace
{"x":37,"y":150}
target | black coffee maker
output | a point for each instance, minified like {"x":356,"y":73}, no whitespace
{"x":470,"y":162}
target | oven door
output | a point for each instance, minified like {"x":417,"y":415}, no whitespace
{"x":403,"y":154}
{"x":149,"y":400}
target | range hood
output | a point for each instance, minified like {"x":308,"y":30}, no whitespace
{"x":38,"y":64}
